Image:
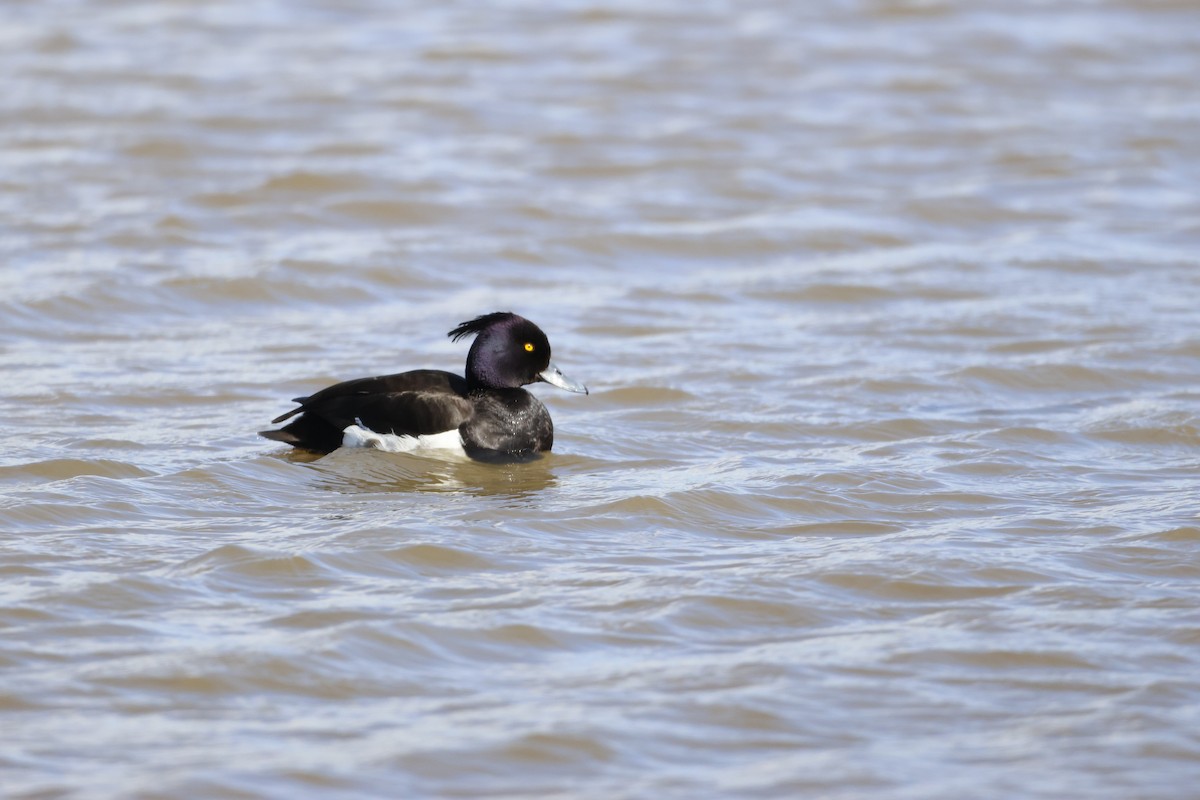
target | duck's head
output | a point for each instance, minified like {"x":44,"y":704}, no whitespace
{"x":509,"y":351}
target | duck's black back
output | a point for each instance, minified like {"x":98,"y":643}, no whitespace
{"x":416,"y":403}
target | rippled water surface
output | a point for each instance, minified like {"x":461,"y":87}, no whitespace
{"x":886,"y":487}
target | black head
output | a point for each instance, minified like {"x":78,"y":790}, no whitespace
{"x":509,"y":351}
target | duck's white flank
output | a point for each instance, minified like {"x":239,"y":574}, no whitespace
{"x":449,"y":442}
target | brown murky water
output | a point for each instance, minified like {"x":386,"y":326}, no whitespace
{"x":887,"y":485}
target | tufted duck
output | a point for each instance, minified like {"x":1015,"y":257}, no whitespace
{"x":487,"y":414}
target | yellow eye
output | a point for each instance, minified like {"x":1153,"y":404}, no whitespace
{"x":528,"y":347}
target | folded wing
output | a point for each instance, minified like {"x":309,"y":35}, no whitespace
{"x":416,"y":403}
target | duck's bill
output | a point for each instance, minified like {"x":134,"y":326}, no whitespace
{"x":553,"y":376}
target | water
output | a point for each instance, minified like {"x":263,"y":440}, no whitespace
{"x":886,"y":486}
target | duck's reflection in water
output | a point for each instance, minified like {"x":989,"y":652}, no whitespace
{"x":369,"y":470}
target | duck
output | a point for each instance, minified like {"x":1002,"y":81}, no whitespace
{"x":486,"y":415}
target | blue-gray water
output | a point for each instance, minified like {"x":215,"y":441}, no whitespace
{"x":886,"y":487}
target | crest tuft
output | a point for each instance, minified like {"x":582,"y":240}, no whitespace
{"x":479,"y":324}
